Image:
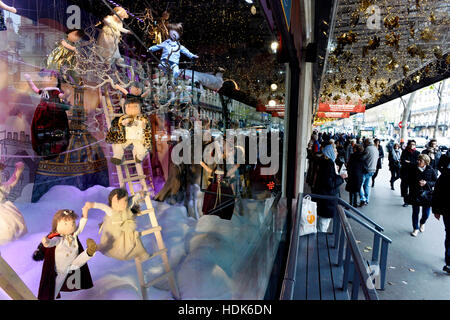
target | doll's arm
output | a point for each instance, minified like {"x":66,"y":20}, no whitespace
{"x":117,"y":87}
{"x":31,"y":83}
{"x":81,"y":226}
{"x":124,"y":30}
{"x":49,"y":243}
{"x":156,"y":47}
{"x":68,"y":46}
{"x":187,"y":53}
{"x":12,"y":182}
{"x":137,"y":198}
{"x":7,"y":8}
{"x":103,"y":207}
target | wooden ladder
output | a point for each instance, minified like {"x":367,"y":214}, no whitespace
{"x":11,"y":283}
{"x":138,"y":176}
{"x":155,"y":229}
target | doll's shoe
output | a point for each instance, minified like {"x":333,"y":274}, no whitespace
{"x":116,"y":161}
{"x":91,"y":247}
{"x":415,"y":233}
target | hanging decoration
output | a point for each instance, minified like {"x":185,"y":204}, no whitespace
{"x":366,"y":63}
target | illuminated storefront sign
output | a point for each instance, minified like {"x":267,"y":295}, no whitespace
{"x":325,"y":107}
{"x":338,"y":115}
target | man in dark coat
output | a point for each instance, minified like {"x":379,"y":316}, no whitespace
{"x":440,"y":207}
{"x":408,"y":162}
{"x":355,"y":171}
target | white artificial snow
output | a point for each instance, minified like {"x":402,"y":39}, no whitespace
{"x":205,"y":254}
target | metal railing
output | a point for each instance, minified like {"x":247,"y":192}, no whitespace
{"x":355,"y":269}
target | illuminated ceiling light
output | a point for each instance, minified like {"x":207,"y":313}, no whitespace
{"x":249,"y":1}
{"x":274,"y":87}
{"x":274,"y":46}
{"x":253,"y":10}
{"x":272,"y":103}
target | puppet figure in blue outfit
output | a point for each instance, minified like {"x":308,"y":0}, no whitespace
{"x":172,"y":50}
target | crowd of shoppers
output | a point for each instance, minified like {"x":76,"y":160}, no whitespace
{"x":334,"y":159}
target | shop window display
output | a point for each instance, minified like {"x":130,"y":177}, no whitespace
{"x":114,"y":106}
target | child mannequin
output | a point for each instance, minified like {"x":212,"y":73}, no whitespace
{"x":50,"y":127}
{"x":172,"y":50}
{"x":64,"y":53}
{"x":12,"y":223}
{"x":120,"y":240}
{"x":109,"y":38}
{"x":64,"y":255}
{"x":131,"y":128}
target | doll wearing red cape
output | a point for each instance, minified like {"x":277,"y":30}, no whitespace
{"x":65,"y":267}
{"x":48,"y":277}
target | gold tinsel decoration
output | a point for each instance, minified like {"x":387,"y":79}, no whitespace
{"x":392,"y":39}
{"x":347,"y":38}
{"x":428,"y":34}
{"x":372,"y":44}
{"x":391,"y":22}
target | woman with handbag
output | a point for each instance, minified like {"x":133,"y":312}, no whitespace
{"x":394,"y":163}
{"x":421,"y":182}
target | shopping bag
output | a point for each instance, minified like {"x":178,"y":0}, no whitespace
{"x":308,"y":218}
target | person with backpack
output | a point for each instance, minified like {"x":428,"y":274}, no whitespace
{"x":370,"y":157}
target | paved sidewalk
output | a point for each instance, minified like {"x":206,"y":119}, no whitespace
{"x":414,"y":264}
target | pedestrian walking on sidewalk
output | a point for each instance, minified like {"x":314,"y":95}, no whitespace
{"x":432,"y":150}
{"x":440,"y":207}
{"x":355,"y":168}
{"x":327,"y":182}
{"x":370,"y":157}
{"x":421,"y":183}
{"x":394,"y":164}
{"x":380,"y":160}
{"x":408,"y":161}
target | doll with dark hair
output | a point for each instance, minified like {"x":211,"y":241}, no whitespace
{"x":119,"y":239}
{"x":2,"y":19}
{"x":12,"y":223}
{"x":65,"y":267}
{"x":172,"y":50}
{"x":50,"y":127}
{"x":131,"y":128}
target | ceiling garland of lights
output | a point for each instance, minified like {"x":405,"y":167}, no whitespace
{"x":377,"y":44}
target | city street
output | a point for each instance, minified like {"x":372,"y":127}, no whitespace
{"x":414,"y":264}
